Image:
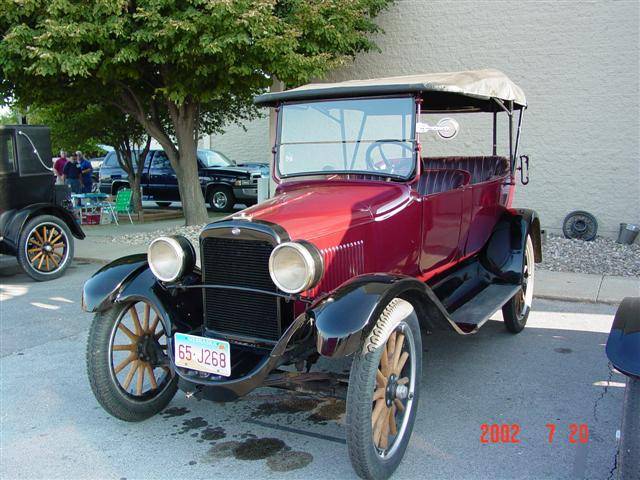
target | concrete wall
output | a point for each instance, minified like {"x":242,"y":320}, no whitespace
{"x":576,"y":61}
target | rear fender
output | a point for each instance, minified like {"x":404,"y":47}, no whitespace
{"x":13,"y":226}
{"x":347,"y":315}
{"x":503,"y":255}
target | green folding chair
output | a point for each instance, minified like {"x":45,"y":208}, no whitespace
{"x":123,"y":203}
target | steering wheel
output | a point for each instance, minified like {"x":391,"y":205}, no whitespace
{"x":385,"y":165}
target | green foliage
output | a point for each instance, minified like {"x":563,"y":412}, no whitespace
{"x":9,"y":118}
{"x":178,"y":67}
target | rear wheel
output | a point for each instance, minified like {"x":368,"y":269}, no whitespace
{"x":221,"y":199}
{"x":382,"y":397}
{"x":127,"y":362}
{"x":516,"y":311}
{"x":45,"y":248}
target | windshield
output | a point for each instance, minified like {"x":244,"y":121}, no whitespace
{"x":211,"y":159}
{"x":367,"y":136}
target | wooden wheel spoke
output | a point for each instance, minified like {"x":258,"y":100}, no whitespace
{"x":129,"y":377}
{"x":145,"y":321}
{"x":384,"y":361}
{"x":140,"y":381}
{"x":379,"y":394}
{"x":380,"y":420}
{"x":124,"y":363}
{"x":56,"y":263}
{"x":35,"y":257}
{"x":128,"y":332}
{"x":384,"y":439}
{"x":398,"y":403}
{"x":381,"y":379}
{"x":46,"y":261}
{"x":40,"y":262}
{"x":37,"y":235}
{"x":136,"y":320}
{"x":401,"y":362}
{"x":391,"y":344}
{"x":403,"y":381}
{"x":53,"y":232}
{"x":56,"y":239}
{"x":397,"y":351}
{"x":35,"y":241}
{"x":154,"y":325}
{"x":34,"y":249}
{"x":159,"y":335}
{"x":393,"y":428}
{"x":58,"y":245}
{"x":377,"y":411}
{"x":119,"y":348}
{"x":152,"y":377}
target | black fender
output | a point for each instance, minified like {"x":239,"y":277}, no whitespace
{"x":13,"y":226}
{"x":503,"y":254}
{"x":130,"y":279}
{"x":213,"y":184}
{"x":623,"y":344}
{"x":344,"y":317}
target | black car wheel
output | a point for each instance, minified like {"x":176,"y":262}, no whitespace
{"x":163,"y":204}
{"x":516,"y":311}
{"x":127,"y":363}
{"x":383,"y":392}
{"x":45,"y":248}
{"x":221,"y":199}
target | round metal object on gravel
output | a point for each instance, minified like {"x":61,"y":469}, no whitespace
{"x":580,"y":225}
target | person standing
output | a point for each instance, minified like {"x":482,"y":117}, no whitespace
{"x":58,"y":167}
{"x":86,"y":170}
{"x":72,"y":174}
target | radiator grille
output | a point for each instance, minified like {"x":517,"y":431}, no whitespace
{"x":241,"y":263}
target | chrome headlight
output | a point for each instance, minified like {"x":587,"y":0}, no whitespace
{"x":171,"y":257}
{"x":296,"y":266}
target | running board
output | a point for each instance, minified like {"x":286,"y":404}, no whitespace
{"x":472,"y":315}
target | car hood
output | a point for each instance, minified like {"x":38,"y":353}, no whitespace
{"x":243,"y":171}
{"x":311,"y":210}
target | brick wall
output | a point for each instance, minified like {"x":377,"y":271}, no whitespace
{"x":578,"y":65}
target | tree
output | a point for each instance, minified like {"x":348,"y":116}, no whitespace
{"x":179,"y":68}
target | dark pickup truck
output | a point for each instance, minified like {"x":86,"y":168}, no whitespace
{"x":223,"y":182}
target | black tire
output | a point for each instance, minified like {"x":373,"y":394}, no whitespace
{"x":580,"y":225}
{"x":57,"y":248}
{"x":163,"y":204}
{"x":106,"y":387}
{"x":221,"y":199}
{"x":516,"y":311}
{"x":366,"y":458}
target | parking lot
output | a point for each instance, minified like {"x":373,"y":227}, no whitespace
{"x":555,"y":372}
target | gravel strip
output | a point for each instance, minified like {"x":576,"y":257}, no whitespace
{"x":602,"y":256}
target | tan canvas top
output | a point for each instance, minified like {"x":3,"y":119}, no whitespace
{"x":476,"y":84}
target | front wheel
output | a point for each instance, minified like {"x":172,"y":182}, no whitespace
{"x":382,"y":397}
{"x":516,"y":311}
{"x":45,"y":248}
{"x":127,"y":362}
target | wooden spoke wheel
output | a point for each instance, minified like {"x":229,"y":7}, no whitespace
{"x":383,"y":392}
{"x":46,"y":248}
{"x":516,"y":311}
{"x":394,"y":390}
{"x":138,"y":346}
{"x":127,"y":362}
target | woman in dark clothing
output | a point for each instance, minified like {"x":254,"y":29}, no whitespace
{"x":72,"y":174}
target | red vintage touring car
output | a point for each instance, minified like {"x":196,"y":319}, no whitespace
{"x":371,"y":237}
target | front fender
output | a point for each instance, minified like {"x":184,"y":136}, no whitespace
{"x":623,"y":344}
{"x":100,"y":291}
{"x":348,"y":314}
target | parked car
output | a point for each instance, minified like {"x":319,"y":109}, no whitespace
{"x":37,"y":225}
{"x":368,"y":241}
{"x":223,"y":182}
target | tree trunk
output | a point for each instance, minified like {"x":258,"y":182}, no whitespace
{"x":193,"y":206}
{"x":136,"y":196}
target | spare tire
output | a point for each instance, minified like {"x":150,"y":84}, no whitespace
{"x":580,"y":225}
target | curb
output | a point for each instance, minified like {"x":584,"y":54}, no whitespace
{"x":99,"y":261}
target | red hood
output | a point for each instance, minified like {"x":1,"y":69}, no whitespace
{"x":313,"y":209}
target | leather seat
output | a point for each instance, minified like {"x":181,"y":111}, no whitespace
{"x":440,"y":180}
{"x":481,"y":169}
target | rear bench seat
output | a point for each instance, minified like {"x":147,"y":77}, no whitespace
{"x":481,"y":169}
{"x":436,"y":180}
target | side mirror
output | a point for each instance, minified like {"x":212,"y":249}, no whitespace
{"x":447,"y":128}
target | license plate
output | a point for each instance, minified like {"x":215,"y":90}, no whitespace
{"x":202,"y":354}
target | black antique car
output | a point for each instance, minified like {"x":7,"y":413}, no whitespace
{"x":37,"y":225}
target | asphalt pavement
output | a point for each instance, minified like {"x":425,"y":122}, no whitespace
{"x":554,"y":372}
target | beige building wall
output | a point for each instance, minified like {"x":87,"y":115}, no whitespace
{"x":578,"y":63}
